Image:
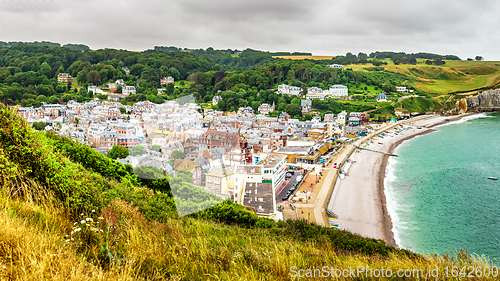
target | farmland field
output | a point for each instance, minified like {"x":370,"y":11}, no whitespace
{"x":305,"y":57}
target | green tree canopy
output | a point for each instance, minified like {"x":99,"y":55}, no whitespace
{"x":137,"y":150}
{"x":118,"y":151}
{"x":39,"y":125}
{"x":177,"y":154}
{"x":293,"y":109}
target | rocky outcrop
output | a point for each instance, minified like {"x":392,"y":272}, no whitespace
{"x":485,"y":101}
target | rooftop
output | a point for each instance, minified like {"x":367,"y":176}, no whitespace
{"x":260,"y":197}
{"x":271,"y":160}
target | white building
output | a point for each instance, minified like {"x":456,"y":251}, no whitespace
{"x":329,"y":118}
{"x":315,"y":93}
{"x":338,"y":91}
{"x":341,"y":118}
{"x":337,"y":66}
{"x":166,"y":80}
{"x":120,"y":82}
{"x":401,"y":90}
{"x":129,"y":90}
{"x":269,"y":170}
{"x":288,"y":90}
{"x":216,"y":100}
{"x":381,"y":97}
{"x":265,"y":108}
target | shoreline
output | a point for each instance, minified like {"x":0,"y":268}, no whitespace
{"x":382,"y":174}
{"x":360,"y":200}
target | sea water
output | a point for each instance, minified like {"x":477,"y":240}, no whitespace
{"x":438,"y":193}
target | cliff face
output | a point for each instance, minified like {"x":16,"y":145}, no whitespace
{"x":485,"y":101}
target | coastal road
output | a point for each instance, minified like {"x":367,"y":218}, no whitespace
{"x":291,"y":183}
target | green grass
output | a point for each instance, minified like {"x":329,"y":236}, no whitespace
{"x":454,"y":76}
{"x":419,"y":104}
{"x":186,"y":85}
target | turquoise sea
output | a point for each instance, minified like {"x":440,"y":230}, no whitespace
{"x":438,"y":192}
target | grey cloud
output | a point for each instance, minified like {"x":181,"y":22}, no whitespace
{"x":465,"y":28}
{"x":287,"y":10}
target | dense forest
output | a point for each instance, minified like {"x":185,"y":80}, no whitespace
{"x":28,"y":74}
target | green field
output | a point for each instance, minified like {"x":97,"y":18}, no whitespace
{"x":305,"y":57}
{"x":452,"y":77}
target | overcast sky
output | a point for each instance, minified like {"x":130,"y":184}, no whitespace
{"x":322,"y":27}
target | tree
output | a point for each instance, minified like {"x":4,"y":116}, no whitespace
{"x":170,"y":88}
{"x":479,"y":58}
{"x":93,"y":77}
{"x":118,"y":151}
{"x":177,"y":154}
{"x":39,"y":125}
{"x":58,"y":126}
{"x":148,"y":173}
{"x":293,"y":109}
{"x":53,"y":100}
{"x":41,"y":98}
{"x":81,"y":78}
{"x":77,"y":120}
{"x":156,"y":147}
{"x":137,"y":150}
{"x":122,"y":110}
{"x":362,"y":56}
{"x":45,"y":69}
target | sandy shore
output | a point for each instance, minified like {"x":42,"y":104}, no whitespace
{"x":360,"y":201}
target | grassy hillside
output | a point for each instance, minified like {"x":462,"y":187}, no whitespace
{"x":69,"y":213}
{"x":452,"y":77}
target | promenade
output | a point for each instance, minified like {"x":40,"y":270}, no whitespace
{"x":315,"y":211}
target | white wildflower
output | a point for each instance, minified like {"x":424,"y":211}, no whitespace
{"x":75,"y":223}
{"x":78,"y":229}
{"x":81,"y":214}
{"x":93,"y":211}
{"x":83,"y":222}
{"x":102,"y":230}
{"x":67,"y":240}
{"x":89,"y":219}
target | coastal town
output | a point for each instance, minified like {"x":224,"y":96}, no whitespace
{"x":278,"y":167}
{"x":272,"y":165}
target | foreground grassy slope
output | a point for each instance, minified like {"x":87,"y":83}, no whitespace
{"x":65,"y":218}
